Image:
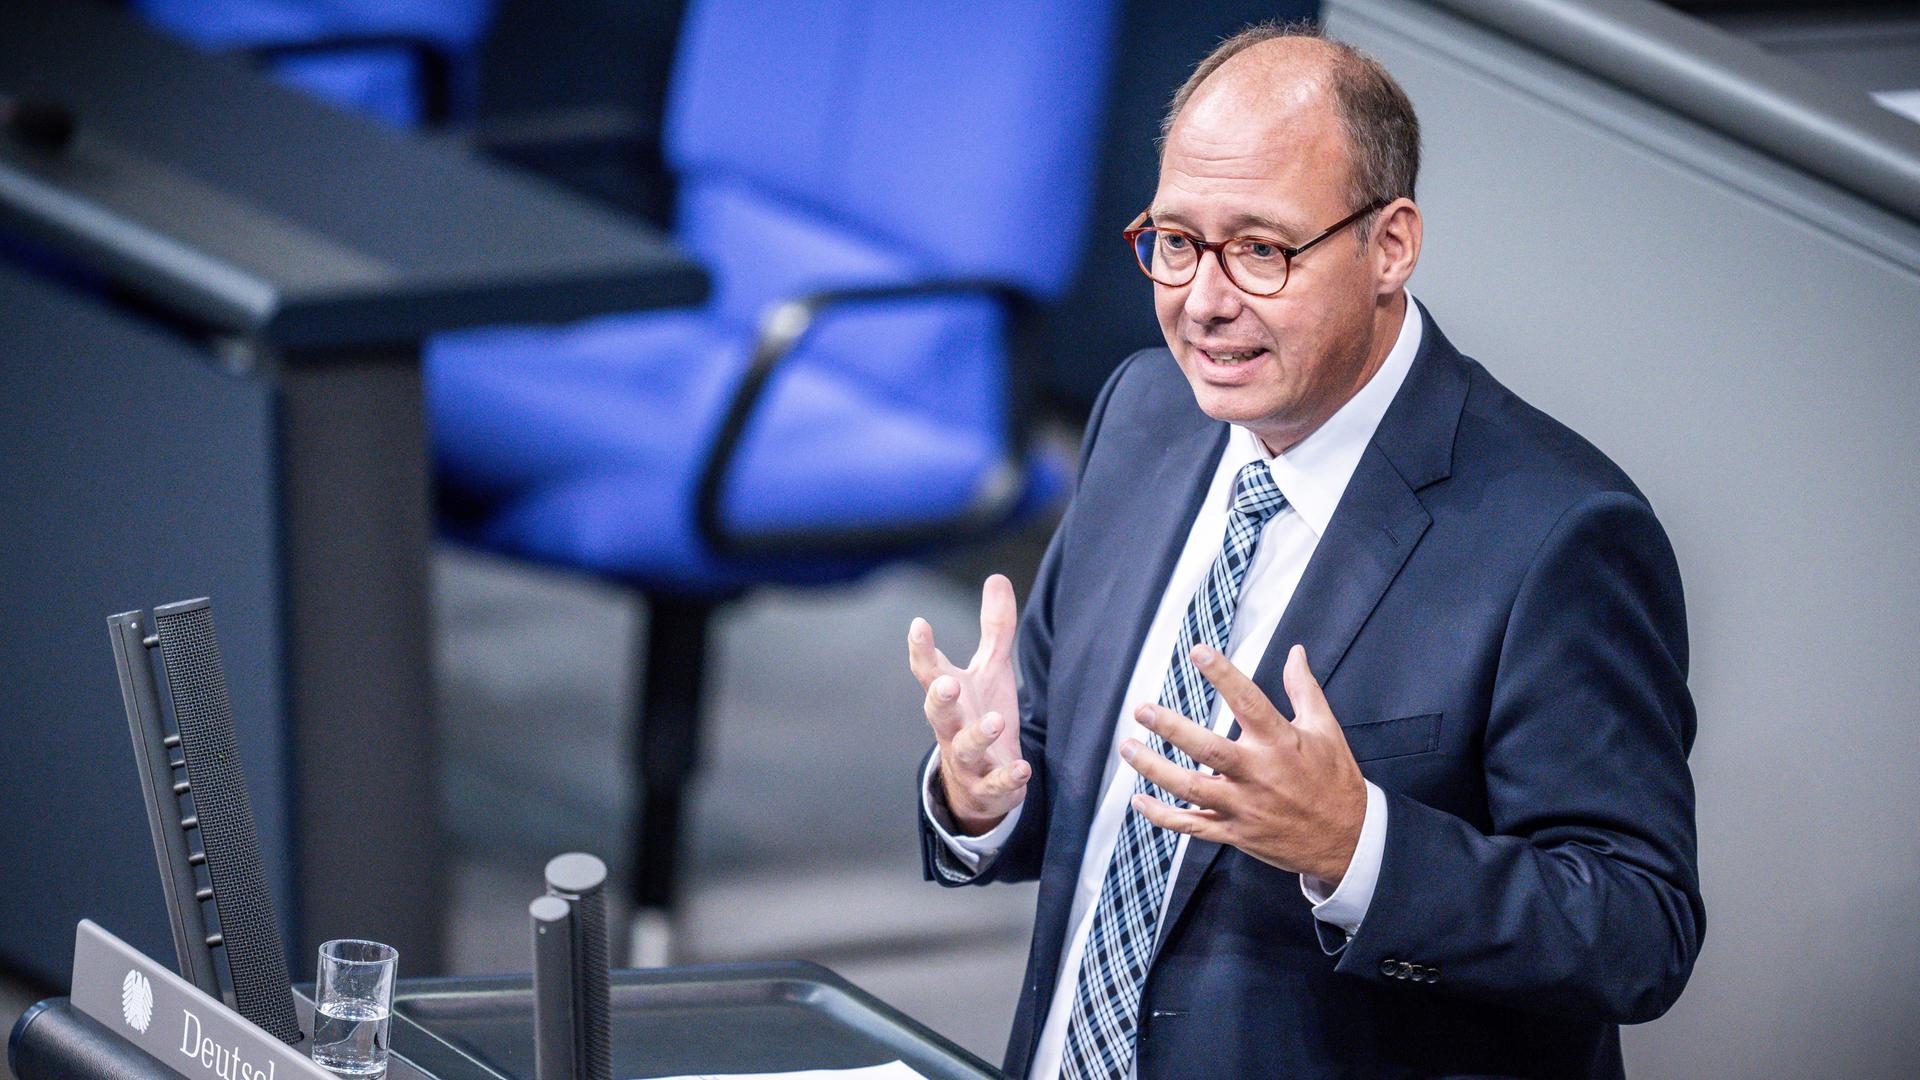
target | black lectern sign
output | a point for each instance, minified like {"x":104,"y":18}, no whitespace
{"x":181,"y":1026}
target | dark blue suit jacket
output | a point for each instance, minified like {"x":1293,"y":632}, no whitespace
{"x":1497,"y":619}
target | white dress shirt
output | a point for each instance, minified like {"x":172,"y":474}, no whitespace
{"x":1313,"y":476}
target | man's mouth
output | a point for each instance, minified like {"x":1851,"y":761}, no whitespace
{"x":1239,"y":356}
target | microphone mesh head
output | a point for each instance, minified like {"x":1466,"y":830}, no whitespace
{"x":250,"y":934}
{"x":596,"y":1006}
{"x":582,"y":878}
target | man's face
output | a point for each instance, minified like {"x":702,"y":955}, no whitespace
{"x":1244,"y":159}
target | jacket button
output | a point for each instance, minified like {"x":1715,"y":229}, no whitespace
{"x":1433,"y":975}
{"x":1389,"y":966}
{"x":1406,"y":970}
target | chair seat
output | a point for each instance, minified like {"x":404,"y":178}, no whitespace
{"x":581,"y":447}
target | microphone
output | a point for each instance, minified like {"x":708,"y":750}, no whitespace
{"x":199,"y":800}
{"x":572,"y":1000}
{"x":553,"y":1010}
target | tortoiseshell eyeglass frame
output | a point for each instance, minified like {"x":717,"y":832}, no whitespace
{"x":1219,"y":248}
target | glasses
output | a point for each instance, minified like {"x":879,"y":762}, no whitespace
{"x":1257,"y":265}
{"x":352,"y":1005}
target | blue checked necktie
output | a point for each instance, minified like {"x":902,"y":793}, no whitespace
{"x":1106,"y":1003}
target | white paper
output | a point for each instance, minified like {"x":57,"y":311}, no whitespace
{"x":892,"y":1070}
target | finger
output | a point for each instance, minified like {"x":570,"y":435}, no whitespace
{"x":1199,"y":824}
{"x":1184,"y":784}
{"x":1006,"y":779}
{"x":1246,"y":701}
{"x":1203,"y":746}
{"x":927,"y":661}
{"x":992,"y":727}
{"x":942,"y":706}
{"x":997,"y":619}
{"x":970,"y":743}
{"x":1310,"y":706}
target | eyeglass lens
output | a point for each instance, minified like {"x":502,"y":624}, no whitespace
{"x":1172,"y":258}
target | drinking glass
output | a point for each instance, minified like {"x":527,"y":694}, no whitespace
{"x":352,"y":1005}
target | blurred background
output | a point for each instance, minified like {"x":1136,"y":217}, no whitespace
{"x":568,"y":404}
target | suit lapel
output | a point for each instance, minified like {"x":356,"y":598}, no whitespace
{"x":1373,"y":532}
{"x":1160,"y":513}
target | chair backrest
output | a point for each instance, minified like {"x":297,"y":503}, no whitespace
{"x":368,"y":50}
{"x":241,"y":24}
{"x":831,"y":142}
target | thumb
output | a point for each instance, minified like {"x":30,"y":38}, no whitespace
{"x":1310,"y":706}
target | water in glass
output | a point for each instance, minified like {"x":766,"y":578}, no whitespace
{"x":350,"y":1037}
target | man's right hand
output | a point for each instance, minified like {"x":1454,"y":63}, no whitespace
{"x":975,"y":713}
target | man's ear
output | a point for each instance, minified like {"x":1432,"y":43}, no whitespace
{"x":1396,"y":239}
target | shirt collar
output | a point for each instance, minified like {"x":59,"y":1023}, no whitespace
{"x":1313,"y":474}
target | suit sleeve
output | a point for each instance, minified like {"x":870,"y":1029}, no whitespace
{"x":1583,"y":899}
{"x":1020,"y":857}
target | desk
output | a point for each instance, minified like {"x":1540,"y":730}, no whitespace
{"x":302,"y":254}
{"x":666,"y":1022}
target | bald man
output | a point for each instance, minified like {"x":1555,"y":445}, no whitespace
{"x":1353,"y":733}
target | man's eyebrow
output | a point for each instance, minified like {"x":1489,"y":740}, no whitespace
{"x":1240,"y":224}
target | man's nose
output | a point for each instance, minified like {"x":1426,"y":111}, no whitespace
{"x":1211,"y":297}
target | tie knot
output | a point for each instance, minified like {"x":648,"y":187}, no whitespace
{"x":1255,"y":495}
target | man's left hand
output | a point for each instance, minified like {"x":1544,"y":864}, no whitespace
{"x":1288,"y":794}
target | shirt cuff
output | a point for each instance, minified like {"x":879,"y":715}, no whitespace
{"x":1346,"y":906}
{"x":973,"y":852}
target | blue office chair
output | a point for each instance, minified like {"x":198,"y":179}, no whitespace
{"x":881,"y":190}
{"x":408,"y":62}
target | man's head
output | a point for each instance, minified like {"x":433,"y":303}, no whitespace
{"x":1280,"y":134}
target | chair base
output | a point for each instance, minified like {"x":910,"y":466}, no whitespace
{"x":653,"y":940}
{"x":672,"y":660}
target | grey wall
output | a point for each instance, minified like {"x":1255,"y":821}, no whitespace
{"x":1742,"y":340}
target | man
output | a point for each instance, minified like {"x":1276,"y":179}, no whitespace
{"x":1446,"y":826}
